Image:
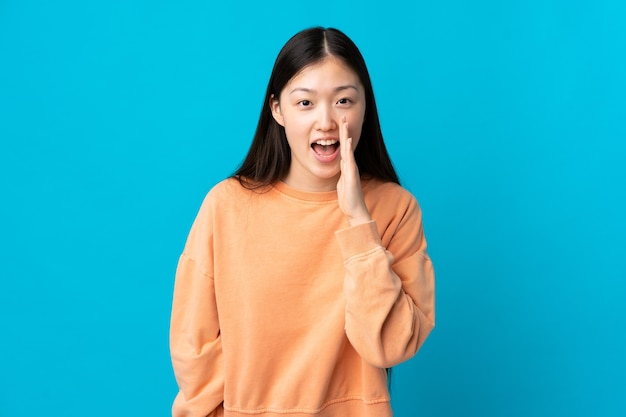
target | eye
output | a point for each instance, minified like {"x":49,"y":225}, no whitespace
{"x":344,"y":101}
{"x":304,"y":103}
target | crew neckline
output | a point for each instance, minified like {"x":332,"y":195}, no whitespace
{"x":315,"y":196}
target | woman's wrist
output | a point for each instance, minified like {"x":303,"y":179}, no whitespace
{"x":361,"y":219}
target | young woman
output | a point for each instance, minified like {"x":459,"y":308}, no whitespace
{"x":305,"y":275}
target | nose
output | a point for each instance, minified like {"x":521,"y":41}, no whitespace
{"x":326,"y":119}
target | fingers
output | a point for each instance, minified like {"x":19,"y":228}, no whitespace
{"x":345,"y":141}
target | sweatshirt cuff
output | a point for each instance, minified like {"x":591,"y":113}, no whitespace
{"x":357,"y":240}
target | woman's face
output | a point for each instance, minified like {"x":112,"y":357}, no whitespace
{"x":310,"y":108}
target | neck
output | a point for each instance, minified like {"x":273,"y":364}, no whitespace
{"x":320,"y":185}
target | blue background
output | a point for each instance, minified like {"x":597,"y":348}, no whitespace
{"x":505,"y":118}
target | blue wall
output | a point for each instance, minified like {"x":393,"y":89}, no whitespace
{"x":505,"y":119}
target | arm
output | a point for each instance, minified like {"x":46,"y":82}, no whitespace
{"x":389,"y":302}
{"x":195,"y":342}
{"x":389,"y":291}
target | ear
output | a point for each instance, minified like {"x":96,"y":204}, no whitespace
{"x":276,"y":111}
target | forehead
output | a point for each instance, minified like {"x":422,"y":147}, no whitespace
{"x":328,"y":73}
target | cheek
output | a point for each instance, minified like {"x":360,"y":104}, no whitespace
{"x":356,"y":136}
{"x":296,"y":127}
{"x":356,"y":123}
{"x":292,"y":133}
{"x":297,"y":136}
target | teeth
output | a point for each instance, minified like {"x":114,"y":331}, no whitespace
{"x":327,"y":142}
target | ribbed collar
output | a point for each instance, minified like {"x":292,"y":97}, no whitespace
{"x":318,"y":197}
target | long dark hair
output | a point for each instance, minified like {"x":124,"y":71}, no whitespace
{"x":269,"y":157}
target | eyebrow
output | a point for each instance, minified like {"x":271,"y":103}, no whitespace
{"x":340,"y":88}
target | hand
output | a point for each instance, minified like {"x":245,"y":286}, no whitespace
{"x":349,"y":192}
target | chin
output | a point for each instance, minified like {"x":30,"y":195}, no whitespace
{"x":328,"y":175}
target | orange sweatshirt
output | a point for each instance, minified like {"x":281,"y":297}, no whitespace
{"x":280,"y":308}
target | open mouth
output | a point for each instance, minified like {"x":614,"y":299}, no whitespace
{"x":325,"y":147}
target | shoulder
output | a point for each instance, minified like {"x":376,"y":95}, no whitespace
{"x":388,"y":194}
{"x":226,"y":191}
{"x":397,"y":213}
{"x":222,"y":200}
{"x":222,"y":193}
{"x":391,"y":204}
{"x":231,"y":197}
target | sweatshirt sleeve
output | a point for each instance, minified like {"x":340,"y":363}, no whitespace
{"x":389,"y":291}
{"x":195,"y":342}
